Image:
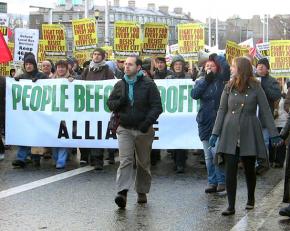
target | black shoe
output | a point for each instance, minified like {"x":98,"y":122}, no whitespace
{"x":180,"y":169}
{"x":111,"y":161}
{"x":250,"y":204}
{"x":260,"y":169}
{"x":211,"y":189}
{"x":19,"y":163}
{"x":36,"y":163}
{"x":285,"y":211}
{"x":228,"y":212}
{"x":121,"y":199}
{"x":99,"y":166}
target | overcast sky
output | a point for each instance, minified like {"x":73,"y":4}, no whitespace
{"x":199,"y":9}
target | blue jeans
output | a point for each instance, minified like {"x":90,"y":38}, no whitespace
{"x":215,"y":174}
{"x":60,"y":156}
{"x":23,"y":152}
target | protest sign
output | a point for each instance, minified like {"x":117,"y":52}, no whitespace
{"x":127,"y":39}
{"x":54,"y":35}
{"x":190,"y":40}
{"x":83,"y":56}
{"x":59,"y":113}
{"x":41,"y":50}
{"x":109,"y":51}
{"x":233,"y":50}
{"x":6,"y":67}
{"x":85,"y":35}
{"x":155,"y":39}
{"x":262,"y":50}
{"x":280,"y":57}
{"x":26,"y":40}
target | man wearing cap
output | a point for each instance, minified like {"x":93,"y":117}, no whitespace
{"x":178,"y":72}
{"x":30,"y":72}
{"x":96,"y":71}
{"x":273,"y":93}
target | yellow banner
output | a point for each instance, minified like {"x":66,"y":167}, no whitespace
{"x":6,"y":67}
{"x":83,"y":56}
{"x":190,"y":39}
{"x":280,"y":57}
{"x":41,"y":50}
{"x":109,"y":50}
{"x":234,"y":50}
{"x":155,"y":39}
{"x":127,"y":39}
{"x":11,"y":48}
{"x":3,"y":30}
{"x":85,"y":34}
{"x":54,"y":35}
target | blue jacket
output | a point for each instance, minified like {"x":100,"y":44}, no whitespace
{"x":209,"y":94}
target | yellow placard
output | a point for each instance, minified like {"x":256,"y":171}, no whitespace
{"x":83,"y":56}
{"x":280,"y":57}
{"x":54,"y":35}
{"x":234,"y":50}
{"x":155,"y":39}
{"x":11,"y":48}
{"x":190,"y":40}
{"x":4,"y":69}
{"x":4,"y":30}
{"x":41,"y":50}
{"x":109,"y":50}
{"x":127,"y":39}
{"x":85,"y":34}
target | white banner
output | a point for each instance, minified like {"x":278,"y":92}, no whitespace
{"x":26,"y":40}
{"x":58,"y":113}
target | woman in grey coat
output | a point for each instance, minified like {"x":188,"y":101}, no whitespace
{"x":240,"y":131}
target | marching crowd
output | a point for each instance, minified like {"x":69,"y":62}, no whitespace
{"x":242,"y":119}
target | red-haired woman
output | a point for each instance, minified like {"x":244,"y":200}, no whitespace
{"x":240,"y":131}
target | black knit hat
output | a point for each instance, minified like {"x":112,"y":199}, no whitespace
{"x":102,"y":51}
{"x":265,"y":62}
{"x":30,"y":58}
{"x":161,"y":59}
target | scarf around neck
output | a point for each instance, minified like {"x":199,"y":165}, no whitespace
{"x":96,"y":66}
{"x":131,"y":83}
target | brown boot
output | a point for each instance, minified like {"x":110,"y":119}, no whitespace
{"x":142,"y":198}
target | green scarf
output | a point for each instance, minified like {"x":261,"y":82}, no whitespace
{"x":131,"y":83}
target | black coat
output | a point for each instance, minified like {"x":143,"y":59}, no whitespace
{"x":146,"y":107}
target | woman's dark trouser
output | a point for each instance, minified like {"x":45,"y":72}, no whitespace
{"x":277,"y":154}
{"x":231,"y":170}
{"x":2,"y":147}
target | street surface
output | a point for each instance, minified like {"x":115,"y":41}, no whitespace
{"x":79,"y":199}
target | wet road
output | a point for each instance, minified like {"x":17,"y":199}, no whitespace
{"x":85,"y":201}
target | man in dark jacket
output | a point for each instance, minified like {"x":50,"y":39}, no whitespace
{"x":273,"y":93}
{"x":97,"y":70}
{"x":137,"y":100}
{"x":30,"y":72}
{"x":161,"y":71}
{"x":178,"y":72}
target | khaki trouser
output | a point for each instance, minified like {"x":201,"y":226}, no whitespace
{"x":131,"y":141}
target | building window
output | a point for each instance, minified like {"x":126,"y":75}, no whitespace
{"x":112,"y":18}
{"x":80,"y":16}
{"x":69,"y":32}
{"x":70,"y":17}
{"x":60,"y":18}
{"x":70,"y":45}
